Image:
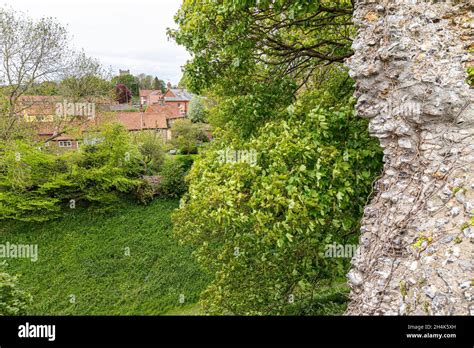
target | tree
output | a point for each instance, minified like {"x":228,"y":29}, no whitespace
{"x":290,"y":38}
{"x":159,"y":85}
{"x":38,"y":185}
{"x":273,"y":73}
{"x":145,"y":81}
{"x":186,"y":136}
{"x":44,"y":88}
{"x":262,"y":222}
{"x":151,"y":147}
{"x":32,"y":51}
{"x":122,"y":94}
{"x":130,"y":81}
{"x":85,"y":79}
{"x":197,"y":111}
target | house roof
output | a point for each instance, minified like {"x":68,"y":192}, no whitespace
{"x":176,"y":94}
{"x":170,"y":111}
{"x":145,"y":92}
{"x":138,"y":120}
{"x":155,"y":117}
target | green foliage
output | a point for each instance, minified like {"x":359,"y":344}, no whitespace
{"x":13,"y":301}
{"x":31,"y":182}
{"x":159,"y":84}
{"x":152,"y":150}
{"x":85,"y":78}
{"x":85,"y":87}
{"x":273,"y":76}
{"x":108,"y":168}
{"x":197,"y":110}
{"x":130,"y":81}
{"x":470,"y":75}
{"x":243,"y":110}
{"x":84,"y":254}
{"x":186,"y":136}
{"x":231,"y":39}
{"x":36,"y":185}
{"x":264,"y":229}
{"x":44,"y":88}
{"x":174,"y":172}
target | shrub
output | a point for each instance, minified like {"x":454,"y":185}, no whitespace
{"x":186,"y":136}
{"x":32,"y":183}
{"x":109,"y":168}
{"x":13,"y":301}
{"x":470,"y":76}
{"x":152,"y":150}
{"x":197,"y":111}
{"x":173,"y":174}
{"x":144,"y":192}
{"x":263,"y":229}
{"x":36,"y":185}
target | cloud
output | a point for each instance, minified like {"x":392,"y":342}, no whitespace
{"x":123,"y":34}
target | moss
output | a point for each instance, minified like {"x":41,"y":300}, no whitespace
{"x":403,"y":289}
{"x":422,"y":238}
{"x":426,"y":307}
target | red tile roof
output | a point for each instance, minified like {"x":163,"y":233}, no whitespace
{"x":145,"y":92}
{"x":138,"y":121}
{"x":170,"y":110}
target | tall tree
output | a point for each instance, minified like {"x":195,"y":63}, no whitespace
{"x":159,"y":85}
{"x":290,"y":167}
{"x":130,"y":81}
{"x":31,"y":51}
{"x":85,"y":78}
{"x":290,"y":38}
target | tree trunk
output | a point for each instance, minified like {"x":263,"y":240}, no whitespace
{"x":417,"y":237}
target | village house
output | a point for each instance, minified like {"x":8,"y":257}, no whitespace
{"x":176,"y":97}
{"x":160,"y":111}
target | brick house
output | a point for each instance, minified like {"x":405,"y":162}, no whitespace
{"x":178,"y":98}
{"x":40,"y":112}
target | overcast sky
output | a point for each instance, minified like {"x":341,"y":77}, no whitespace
{"x":123,"y":34}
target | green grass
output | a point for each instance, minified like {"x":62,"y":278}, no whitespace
{"x":84,"y":255}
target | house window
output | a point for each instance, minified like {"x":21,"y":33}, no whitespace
{"x":65,"y":143}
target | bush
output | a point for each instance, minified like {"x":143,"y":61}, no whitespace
{"x":152,"y":150}
{"x":470,"y":76}
{"x":36,"y":185}
{"x":197,"y":110}
{"x":186,"y":136}
{"x":263,"y":229}
{"x":173,"y":174}
{"x":12,"y":300}
{"x":32,"y":182}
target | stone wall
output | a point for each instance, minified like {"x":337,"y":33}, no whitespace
{"x":417,"y":236}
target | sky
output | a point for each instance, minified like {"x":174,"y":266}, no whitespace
{"x":122,"y":34}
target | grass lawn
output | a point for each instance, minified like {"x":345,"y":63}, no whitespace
{"x":83,"y":267}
